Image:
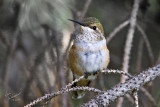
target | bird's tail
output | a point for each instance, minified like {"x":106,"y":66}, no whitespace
{"x":81,"y":93}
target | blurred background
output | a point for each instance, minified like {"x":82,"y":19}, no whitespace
{"x":35,"y":37}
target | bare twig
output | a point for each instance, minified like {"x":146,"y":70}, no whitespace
{"x":112,"y":71}
{"x":116,"y":71}
{"x":149,"y":49}
{"x":12,"y":96}
{"x":128,"y":44}
{"x":49,"y":96}
{"x":135,"y":95}
{"x":76,"y":80}
{"x":116,"y":30}
{"x":62,"y":89}
{"x":130,"y":35}
{"x":132,"y":84}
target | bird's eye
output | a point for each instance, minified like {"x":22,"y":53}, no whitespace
{"x":94,"y":27}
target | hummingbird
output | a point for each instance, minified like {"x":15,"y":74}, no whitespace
{"x":88,"y":54}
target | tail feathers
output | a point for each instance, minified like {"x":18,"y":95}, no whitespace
{"x":81,"y":93}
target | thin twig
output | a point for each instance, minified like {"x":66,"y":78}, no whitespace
{"x":12,"y":96}
{"x":149,"y":49}
{"x":116,"y":30}
{"x":112,"y":71}
{"x":128,"y":44}
{"x":116,"y":71}
{"x":56,"y":93}
{"x":135,"y":95}
{"x":76,"y":80}
{"x":52,"y":95}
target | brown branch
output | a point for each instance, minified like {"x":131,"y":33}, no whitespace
{"x":130,"y":85}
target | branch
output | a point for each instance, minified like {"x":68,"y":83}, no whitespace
{"x":130,"y":35}
{"x":133,"y":84}
{"x":135,"y":94}
{"x":149,"y":49}
{"x":116,"y":71}
{"x":128,"y":44}
{"x":116,"y":30}
{"x":47,"y":97}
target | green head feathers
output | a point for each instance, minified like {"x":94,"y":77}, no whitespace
{"x":91,"y":22}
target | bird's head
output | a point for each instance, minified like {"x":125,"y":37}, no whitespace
{"x":90,"y":29}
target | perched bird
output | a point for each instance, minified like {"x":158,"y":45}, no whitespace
{"x":89,"y":53}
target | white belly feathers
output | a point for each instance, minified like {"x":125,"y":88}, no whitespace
{"x":93,"y":58}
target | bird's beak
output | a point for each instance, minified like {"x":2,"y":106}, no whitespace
{"x":80,"y":23}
